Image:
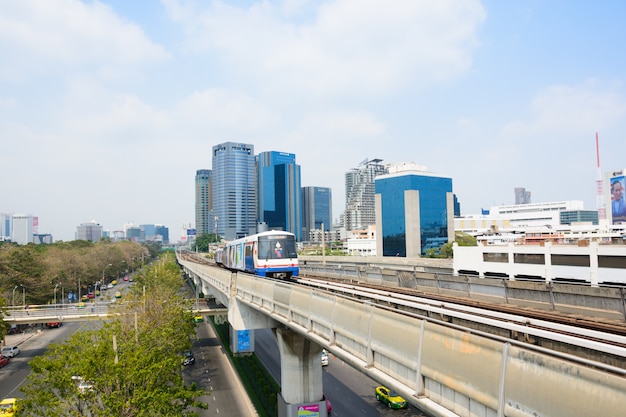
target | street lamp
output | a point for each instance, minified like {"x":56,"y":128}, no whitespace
{"x":55,"y":294}
{"x":13,"y":303}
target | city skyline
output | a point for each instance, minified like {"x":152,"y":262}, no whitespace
{"x":108,"y":108}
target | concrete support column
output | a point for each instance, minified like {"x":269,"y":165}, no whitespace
{"x":300,"y":368}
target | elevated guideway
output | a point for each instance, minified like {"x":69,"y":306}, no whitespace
{"x":443,"y":369}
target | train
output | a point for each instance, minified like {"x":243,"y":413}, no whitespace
{"x":267,"y":254}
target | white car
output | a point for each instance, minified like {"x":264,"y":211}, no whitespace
{"x":10,"y":351}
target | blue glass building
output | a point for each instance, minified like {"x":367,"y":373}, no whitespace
{"x":317,"y":203}
{"x":234,"y":198}
{"x":279,"y":192}
{"x":163,"y":231}
{"x":414,"y":212}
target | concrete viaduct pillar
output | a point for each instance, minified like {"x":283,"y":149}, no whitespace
{"x":301,"y":374}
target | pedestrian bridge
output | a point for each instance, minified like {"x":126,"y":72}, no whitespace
{"x":443,"y":369}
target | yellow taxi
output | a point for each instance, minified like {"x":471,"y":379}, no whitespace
{"x":390,"y":397}
{"x":8,"y":407}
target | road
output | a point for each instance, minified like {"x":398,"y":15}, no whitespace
{"x":213,"y":371}
{"x":32,"y":343}
{"x":351,"y":392}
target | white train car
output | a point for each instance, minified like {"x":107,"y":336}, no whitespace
{"x":267,"y":254}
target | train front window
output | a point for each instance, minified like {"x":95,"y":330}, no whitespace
{"x":277,"y":247}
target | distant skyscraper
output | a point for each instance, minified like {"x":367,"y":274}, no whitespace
{"x":89,"y":231}
{"x":134,"y":234}
{"x":316,"y":210}
{"x":279,"y":192}
{"x":162,"y":231}
{"x":360,"y":212}
{"x":415,"y":211}
{"x":204,"y":219}
{"x":522,"y":196}
{"x":234,"y":198}
{"x":24,"y":226}
{"x":5,"y":226}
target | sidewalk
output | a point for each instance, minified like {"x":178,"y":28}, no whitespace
{"x":19,"y":338}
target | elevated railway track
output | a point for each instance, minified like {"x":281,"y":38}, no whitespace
{"x":595,"y":339}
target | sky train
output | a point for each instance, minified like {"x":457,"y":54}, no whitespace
{"x":267,"y":254}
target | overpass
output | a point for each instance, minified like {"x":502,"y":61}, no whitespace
{"x":64,"y":313}
{"x":443,"y":369}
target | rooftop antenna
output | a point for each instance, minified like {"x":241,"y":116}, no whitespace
{"x":600,"y":204}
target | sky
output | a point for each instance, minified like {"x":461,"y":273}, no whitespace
{"x":108,"y":108}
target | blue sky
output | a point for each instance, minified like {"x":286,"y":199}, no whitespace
{"x":108,"y":108}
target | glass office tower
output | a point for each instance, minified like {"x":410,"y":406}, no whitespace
{"x":360,"y":213}
{"x":317,"y":206}
{"x":415,"y":212}
{"x":204,"y":219}
{"x":279,"y":193}
{"x":234,"y":198}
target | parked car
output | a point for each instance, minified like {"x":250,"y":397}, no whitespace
{"x":3,"y":361}
{"x":8,"y":407}
{"x":391,"y":398}
{"x":324,"y":358}
{"x":10,"y":351}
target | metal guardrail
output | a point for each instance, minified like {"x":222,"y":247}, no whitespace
{"x":71,"y":312}
{"x":439,"y":367}
{"x":604,"y":302}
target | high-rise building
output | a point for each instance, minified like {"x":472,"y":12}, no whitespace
{"x":5,"y":226}
{"x":162,"y":231}
{"x":522,"y":196}
{"x":24,"y":226}
{"x":360,"y":211}
{"x":279,"y":193}
{"x":316,"y":210}
{"x":91,"y":231}
{"x":414,"y":211}
{"x":134,"y":234}
{"x":204,"y":219}
{"x":234,"y":198}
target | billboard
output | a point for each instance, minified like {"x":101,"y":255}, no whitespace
{"x":618,"y":207}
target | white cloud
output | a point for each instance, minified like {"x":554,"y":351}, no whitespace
{"x":354,"y":46}
{"x":223,"y":112}
{"x":40,"y":37}
{"x":571,"y":109}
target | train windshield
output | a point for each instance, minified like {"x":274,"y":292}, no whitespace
{"x":277,"y":247}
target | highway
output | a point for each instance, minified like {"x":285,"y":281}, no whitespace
{"x":351,"y":393}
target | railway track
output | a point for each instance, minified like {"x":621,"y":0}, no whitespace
{"x":600,"y":341}
{"x":592,"y":339}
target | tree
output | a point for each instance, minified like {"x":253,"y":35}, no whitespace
{"x":462,"y":239}
{"x":130,"y":367}
{"x":204,"y":241}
